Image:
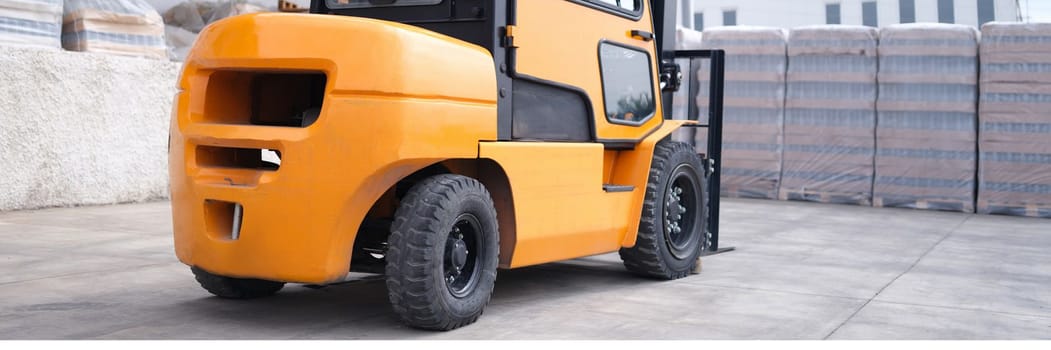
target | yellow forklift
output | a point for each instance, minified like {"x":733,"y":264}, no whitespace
{"x":435,"y":142}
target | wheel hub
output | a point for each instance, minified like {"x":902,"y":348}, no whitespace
{"x":681,"y":216}
{"x":459,"y":254}
{"x":674,"y":210}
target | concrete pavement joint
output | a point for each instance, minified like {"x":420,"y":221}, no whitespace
{"x":914,"y":263}
{"x":774,"y":291}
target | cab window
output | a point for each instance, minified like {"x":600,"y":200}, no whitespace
{"x":627,"y":5}
{"x":631,"y":9}
{"x":348,"y":4}
{"x":627,"y":84}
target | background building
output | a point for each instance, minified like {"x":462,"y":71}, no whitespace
{"x":699,"y":14}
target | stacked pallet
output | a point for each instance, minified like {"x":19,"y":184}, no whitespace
{"x":830,"y":120}
{"x":36,"y":23}
{"x":927,"y":116}
{"x":1015,"y":124}
{"x":753,"y":107}
{"x":122,"y":27}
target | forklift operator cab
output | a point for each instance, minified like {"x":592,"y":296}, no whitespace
{"x":434,"y":141}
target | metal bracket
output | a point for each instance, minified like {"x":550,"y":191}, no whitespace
{"x":671,"y":76}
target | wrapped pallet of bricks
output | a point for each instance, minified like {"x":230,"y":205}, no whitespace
{"x":121,"y":27}
{"x":753,"y":107}
{"x":926,"y":134}
{"x":1014,"y":171}
{"x":35,"y":23}
{"x":830,"y":115}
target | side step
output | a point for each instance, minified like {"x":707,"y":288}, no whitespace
{"x":617,"y":188}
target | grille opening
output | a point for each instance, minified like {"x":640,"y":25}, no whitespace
{"x":223,"y":219}
{"x":241,"y":158}
{"x":289,"y":99}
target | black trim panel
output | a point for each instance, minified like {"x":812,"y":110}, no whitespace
{"x":548,"y":112}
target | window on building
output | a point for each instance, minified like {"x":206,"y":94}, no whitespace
{"x":627,"y":84}
{"x":907,"y":10}
{"x":685,"y":10}
{"x":730,"y":17}
{"x":698,"y":21}
{"x":946,"y":12}
{"x":986,"y":11}
{"x":832,"y":14}
{"x":869,"y":15}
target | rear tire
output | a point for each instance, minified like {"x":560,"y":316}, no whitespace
{"x":443,"y":253}
{"x":674,"y":215}
{"x":235,"y":288}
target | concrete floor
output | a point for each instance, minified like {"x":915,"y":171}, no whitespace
{"x":800,"y":271}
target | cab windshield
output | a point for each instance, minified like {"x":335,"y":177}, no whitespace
{"x":347,"y":4}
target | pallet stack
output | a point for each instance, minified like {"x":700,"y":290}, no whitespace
{"x":36,"y":23}
{"x":753,"y":107}
{"x":830,"y":120}
{"x":121,"y":27}
{"x":1014,"y":172}
{"x":927,"y":114}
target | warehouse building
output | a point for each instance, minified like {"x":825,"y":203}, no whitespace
{"x":700,"y":14}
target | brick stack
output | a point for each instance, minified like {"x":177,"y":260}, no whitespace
{"x":753,"y":107}
{"x":927,"y":114}
{"x":36,"y":23}
{"x":830,"y":120}
{"x":122,"y":27}
{"x":1014,"y":172}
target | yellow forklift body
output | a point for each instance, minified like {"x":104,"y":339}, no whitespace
{"x":561,"y":212}
{"x":397,"y":98}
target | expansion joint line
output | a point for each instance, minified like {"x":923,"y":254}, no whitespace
{"x":914,"y":263}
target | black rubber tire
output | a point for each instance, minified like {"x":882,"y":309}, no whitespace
{"x":653,"y":256}
{"x":415,"y":268}
{"x":235,"y":288}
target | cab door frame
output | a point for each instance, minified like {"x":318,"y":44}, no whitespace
{"x":530,"y":46}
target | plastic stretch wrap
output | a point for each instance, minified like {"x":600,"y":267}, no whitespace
{"x":927,"y":114}
{"x":123,"y":27}
{"x":830,"y":115}
{"x":185,"y":20}
{"x":36,"y":23}
{"x":753,"y":107}
{"x":1014,"y":173}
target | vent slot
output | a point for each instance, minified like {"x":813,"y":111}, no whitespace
{"x":239,"y":158}
{"x":223,"y":219}
{"x":288,"y":99}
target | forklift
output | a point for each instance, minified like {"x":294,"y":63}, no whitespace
{"x":436,"y":142}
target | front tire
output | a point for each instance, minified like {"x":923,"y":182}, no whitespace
{"x":674,"y":215}
{"x":443,"y":253}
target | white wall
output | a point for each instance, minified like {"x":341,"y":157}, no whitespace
{"x":794,"y":13}
{"x":82,"y":128}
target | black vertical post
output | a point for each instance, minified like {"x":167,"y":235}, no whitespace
{"x":715,"y":143}
{"x":664,"y":13}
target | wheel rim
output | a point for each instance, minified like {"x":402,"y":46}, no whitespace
{"x":682,"y":212}
{"x":461,"y":258}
